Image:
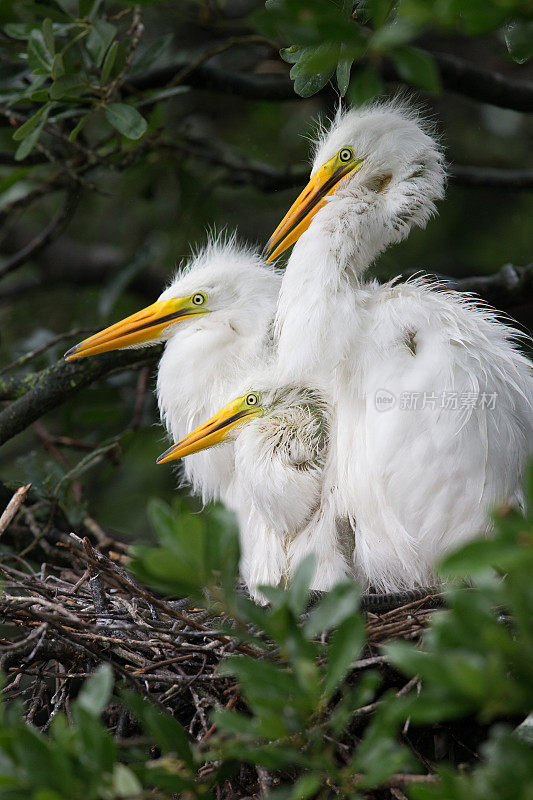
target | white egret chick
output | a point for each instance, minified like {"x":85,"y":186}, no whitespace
{"x":215,"y":319}
{"x":280,"y":439}
{"x":433,"y":398}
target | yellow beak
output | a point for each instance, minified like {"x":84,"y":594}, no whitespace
{"x":307,"y":204}
{"x":144,"y":326}
{"x":216,"y":429}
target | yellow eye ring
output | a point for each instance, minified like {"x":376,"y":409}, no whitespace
{"x":346,"y":154}
{"x":198,"y":299}
{"x":252,"y":399}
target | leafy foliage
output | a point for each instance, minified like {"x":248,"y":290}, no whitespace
{"x":349,"y":40}
{"x":67,"y":66}
{"x":301,"y":702}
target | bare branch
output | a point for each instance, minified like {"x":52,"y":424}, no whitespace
{"x":491,"y":177}
{"x":53,"y":229}
{"x":457,"y":75}
{"x":51,"y":387}
{"x":243,"y":171}
{"x":13,"y":506}
{"x":509,"y":287}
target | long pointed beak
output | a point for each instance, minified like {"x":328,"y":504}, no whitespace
{"x":144,"y":326}
{"x":212,"y":432}
{"x":307,"y":204}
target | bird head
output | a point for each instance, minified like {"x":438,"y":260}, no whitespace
{"x":224,"y":284}
{"x":379,"y":168}
{"x":220,"y":427}
{"x":293,"y":419}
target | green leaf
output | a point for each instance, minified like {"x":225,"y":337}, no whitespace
{"x":365,"y":84}
{"x":343,"y":75}
{"x":167,"y":731}
{"x":300,"y":583}
{"x":67,"y":84}
{"x":291,"y":54}
{"x":96,"y":691}
{"x":519,"y":40}
{"x":313,"y":69}
{"x":126,"y":783}
{"x":126,"y":119}
{"x":30,"y":124}
{"x":39,"y":57}
{"x":109,"y":61}
{"x":417,"y":68}
{"x":88,"y":8}
{"x":396,"y":33}
{"x":58,"y":68}
{"x":75,"y":131}
{"x":99,"y":40}
{"x":29,"y":142}
{"x":480,"y":555}
{"x":153,"y":53}
{"x":345,"y":647}
{"x":336,"y":606}
{"x":48,"y":35}
{"x":379,"y":11}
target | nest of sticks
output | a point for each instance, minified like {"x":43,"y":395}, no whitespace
{"x":69,"y":603}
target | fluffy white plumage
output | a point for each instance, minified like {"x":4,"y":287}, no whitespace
{"x":414,"y":483}
{"x":280,"y":461}
{"x":206,"y":357}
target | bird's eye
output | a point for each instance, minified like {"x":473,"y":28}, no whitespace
{"x":346,"y":154}
{"x":252,"y":399}
{"x":199,"y":299}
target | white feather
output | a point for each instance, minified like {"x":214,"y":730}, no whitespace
{"x":415,"y":483}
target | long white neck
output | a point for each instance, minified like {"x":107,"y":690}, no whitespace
{"x":316,"y":302}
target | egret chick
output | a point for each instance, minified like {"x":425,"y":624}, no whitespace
{"x":280,"y":440}
{"x":215,"y":320}
{"x":433,"y":398}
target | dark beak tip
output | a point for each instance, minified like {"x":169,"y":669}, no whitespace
{"x":71,"y":352}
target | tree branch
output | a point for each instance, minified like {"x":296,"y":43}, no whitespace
{"x":40,"y":392}
{"x":457,"y":75}
{"x":53,"y":229}
{"x":242,"y":171}
{"x":491,"y":177}
{"x":508,"y":288}
{"x":461,"y":76}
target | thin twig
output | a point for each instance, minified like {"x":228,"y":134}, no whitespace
{"x":13,"y":506}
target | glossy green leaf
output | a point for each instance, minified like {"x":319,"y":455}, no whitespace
{"x":29,"y":142}
{"x":108,"y":64}
{"x":344,"y":648}
{"x":167,"y":731}
{"x":79,"y":127}
{"x":27,"y":127}
{"x":519,"y":40}
{"x":417,"y":67}
{"x":126,"y":119}
{"x":58,"y":67}
{"x":334,"y":608}
{"x":88,"y":8}
{"x":39,"y":57}
{"x":126,"y":783}
{"x":365,"y":85}
{"x":379,"y":11}
{"x":99,"y":40}
{"x":96,"y":691}
{"x":48,"y":35}
{"x":343,"y":75}
{"x":67,"y":85}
